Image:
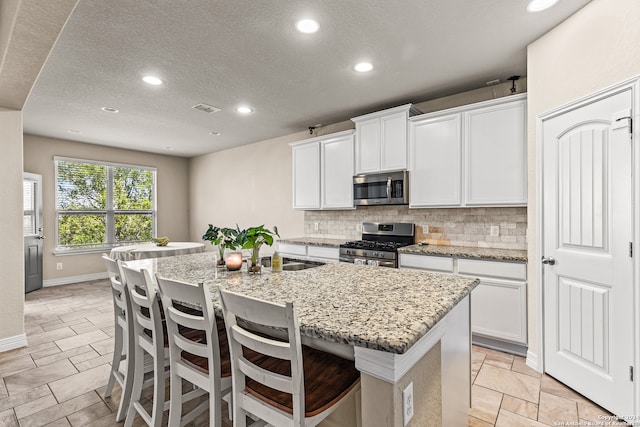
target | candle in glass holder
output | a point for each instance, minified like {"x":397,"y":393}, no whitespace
{"x":234,"y":261}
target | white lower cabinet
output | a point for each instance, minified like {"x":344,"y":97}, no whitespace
{"x":310,"y":252}
{"x":498,"y":303}
{"x":292,"y":249}
{"x":323,"y":252}
{"x":440,"y":264}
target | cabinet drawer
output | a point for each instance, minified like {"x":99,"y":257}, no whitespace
{"x":437,"y":263}
{"x":292,"y":249}
{"x":323,"y":252}
{"x":505,"y":270}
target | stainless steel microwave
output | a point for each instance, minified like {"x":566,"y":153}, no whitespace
{"x":391,"y":188}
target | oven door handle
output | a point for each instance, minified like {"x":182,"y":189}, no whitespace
{"x":389,"y":188}
{"x":386,"y":264}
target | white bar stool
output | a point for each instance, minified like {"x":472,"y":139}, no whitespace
{"x":292,"y":385}
{"x":204,"y":364}
{"x":122,"y":364}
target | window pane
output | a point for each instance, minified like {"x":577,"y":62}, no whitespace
{"x":100,"y":205}
{"x":81,"y":186}
{"x":133,"y":228}
{"x":81,"y":231}
{"x":28,"y":225}
{"x":132,"y":189}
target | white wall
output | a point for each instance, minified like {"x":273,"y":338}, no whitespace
{"x":248,"y":186}
{"x":28,"y":30}
{"x":11,"y":249}
{"x":595,"y":48}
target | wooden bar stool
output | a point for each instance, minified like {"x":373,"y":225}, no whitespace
{"x":293,"y":385}
{"x":204,"y":364}
{"x":122,"y":364}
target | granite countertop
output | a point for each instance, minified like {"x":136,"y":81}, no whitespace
{"x":315,"y":241}
{"x":467,"y":252}
{"x":384,"y":309}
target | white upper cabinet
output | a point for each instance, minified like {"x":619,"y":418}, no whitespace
{"x":336,"y":162}
{"x":323,"y":172}
{"x":306,"y":175}
{"x":470,"y":156}
{"x":368,"y":146}
{"x":436,"y":161}
{"x":496,"y":161}
{"x":381,"y":139}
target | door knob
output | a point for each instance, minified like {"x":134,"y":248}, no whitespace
{"x":41,"y":237}
{"x":548,"y":260}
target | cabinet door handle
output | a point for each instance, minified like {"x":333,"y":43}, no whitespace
{"x":548,"y":260}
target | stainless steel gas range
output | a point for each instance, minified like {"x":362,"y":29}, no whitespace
{"x":379,"y":244}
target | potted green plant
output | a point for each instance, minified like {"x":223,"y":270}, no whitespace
{"x":224,"y":238}
{"x":253,"y":238}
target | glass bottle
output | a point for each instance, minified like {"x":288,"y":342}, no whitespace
{"x":276,"y":261}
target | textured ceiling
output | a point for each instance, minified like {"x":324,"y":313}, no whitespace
{"x":28,"y":31}
{"x":227,"y":53}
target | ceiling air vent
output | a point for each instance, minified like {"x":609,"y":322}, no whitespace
{"x":206,"y":108}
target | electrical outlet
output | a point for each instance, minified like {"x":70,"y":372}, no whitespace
{"x":495,"y":230}
{"x":407,"y":403}
{"x":425,"y":228}
{"x":359,"y":227}
{"x":315,"y":226}
{"x":59,"y":266}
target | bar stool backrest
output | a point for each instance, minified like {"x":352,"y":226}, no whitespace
{"x":281,"y":316}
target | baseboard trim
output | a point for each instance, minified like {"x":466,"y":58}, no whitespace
{"x":513,"y":348}
{"x":74,"y":279}
{"x":532,"y":361}
{"x":11,"y":343}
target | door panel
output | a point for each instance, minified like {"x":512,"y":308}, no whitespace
{"x":587,"y":229}
{"x":582,"y":329}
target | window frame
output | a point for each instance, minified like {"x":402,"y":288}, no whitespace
{"x":108,"y":212}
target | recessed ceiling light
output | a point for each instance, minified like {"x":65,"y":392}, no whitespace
{"x":363,"y":67}
{"x":244,"y":109}
{"x":540,"y":5}
{"x":110,"y":110}
{"x":74,"y":132}
{"x":152,"y":80}
{"x":307,"y":26}
{"x":214,"y":133}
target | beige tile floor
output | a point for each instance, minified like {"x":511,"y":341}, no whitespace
{"x":507,"y":393}
{"x":59,"y":379}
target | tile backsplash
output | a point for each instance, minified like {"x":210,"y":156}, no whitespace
{"x":470,"y":227}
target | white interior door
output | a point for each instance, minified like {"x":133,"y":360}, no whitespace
{"x":32,"y":231}
{"x":587,"y":230}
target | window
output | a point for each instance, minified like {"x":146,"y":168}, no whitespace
{"x":101,"y":205}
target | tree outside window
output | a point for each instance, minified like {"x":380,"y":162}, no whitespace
{"x":101,"y":205}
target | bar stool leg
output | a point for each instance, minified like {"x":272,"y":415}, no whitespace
{"x":138,"y":378}
{"x":158,"y":392}
{"x":115,"y":363}
{"x":175,"y":411}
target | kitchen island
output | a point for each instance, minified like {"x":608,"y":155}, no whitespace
{"x":400,"y":326}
